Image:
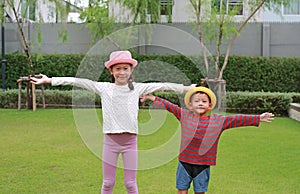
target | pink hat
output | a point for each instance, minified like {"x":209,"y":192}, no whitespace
{"x":118,"y":57}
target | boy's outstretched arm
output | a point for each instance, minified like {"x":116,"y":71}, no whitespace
{"x":266,"y":117}
{"x":43,"y":80}
{"x":147,"y":97}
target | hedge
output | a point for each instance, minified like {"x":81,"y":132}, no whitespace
{"x":241,"y":102}
{"x":253,"y":74}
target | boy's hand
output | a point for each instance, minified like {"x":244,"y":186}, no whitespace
{"x":43,"y":80}
{"x":266,"y":117}
{"x":147,"y":97}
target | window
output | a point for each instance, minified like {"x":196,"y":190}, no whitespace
{"x":28,"y":10}
{"x":236,"y":6}
{"x":159,"y":11}
{"x":166,"y":7}
{"x":24,"y":12}
{"x":32,"y":12}
{"x":51,"y":13}
{"x":229,"y":6}
{"x":293,"y":9}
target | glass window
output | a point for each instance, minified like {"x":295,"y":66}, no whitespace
{"x":32,"y":12}
{"x":51,"y":13}
{"x":236,"y":6}
{"x":28,"y":10}
{"x":293,"y":9}
{"x":24,"y":12}
{"x":166,"y":7}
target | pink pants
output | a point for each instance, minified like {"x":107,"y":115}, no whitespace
{"x":114,"y":144}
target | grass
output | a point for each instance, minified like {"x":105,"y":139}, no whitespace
{"x":42,"y":152}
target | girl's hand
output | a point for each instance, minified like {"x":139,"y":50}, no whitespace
{"x":267,"y":117}
{"x":43,"y":80}
{"x":190,"y":87}
{"x":147,"y":97}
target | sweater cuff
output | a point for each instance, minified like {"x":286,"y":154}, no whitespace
{"x":156,"y":102}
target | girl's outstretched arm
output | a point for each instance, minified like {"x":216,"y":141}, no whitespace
{"x":147,"y":88}
{"x":90,"y":85}
{"x":266,"y":117}
{"x":43,"y":80}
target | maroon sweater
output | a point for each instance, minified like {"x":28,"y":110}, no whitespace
{"x":200,"y":134}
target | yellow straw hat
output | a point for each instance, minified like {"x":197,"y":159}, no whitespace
{"x":207,"y":91}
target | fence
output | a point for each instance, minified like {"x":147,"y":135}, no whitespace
{"x":257,"y":39}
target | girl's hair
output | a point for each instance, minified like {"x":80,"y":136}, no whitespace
{"x":130,"y":85}
{"x":130,"y":80}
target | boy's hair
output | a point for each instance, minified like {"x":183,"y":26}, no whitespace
{"x":200,"y":92}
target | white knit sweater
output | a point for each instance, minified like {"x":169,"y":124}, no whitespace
{"x":119,"y":103}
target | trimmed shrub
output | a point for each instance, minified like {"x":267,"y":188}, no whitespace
{"x":237,"y":102}
{"x":258,"y":102}
{"x":243,"y":73}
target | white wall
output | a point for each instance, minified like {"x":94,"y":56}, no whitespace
{"x":271,"y":16}
{"x":120,"y":13}
{"x":46,"y":11}
{"x":182,"y":11}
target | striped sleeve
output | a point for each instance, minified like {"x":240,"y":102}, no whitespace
{"x":164,"y":104}
{"x":240,"y":120}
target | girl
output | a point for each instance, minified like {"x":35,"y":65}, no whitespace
{"x":119,"y":101}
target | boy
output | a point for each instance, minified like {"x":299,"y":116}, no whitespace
{"x":200,"y":135}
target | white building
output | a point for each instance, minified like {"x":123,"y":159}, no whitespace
{"x":182,"y":11}
{"x":43,"y":10}
{"x":288,"y":14}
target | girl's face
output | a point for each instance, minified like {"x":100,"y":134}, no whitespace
{"x":200,"y":104}
{"x":121,"y":73}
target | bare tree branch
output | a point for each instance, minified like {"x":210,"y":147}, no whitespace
{"x":24,"y":41}
{"x":236,"y":35}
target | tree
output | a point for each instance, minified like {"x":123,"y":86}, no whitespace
{"x":102,"y":23}
{"x":221,"y":26}
{"x":140,"y":8}
{"x":22,"y":11}
{"x":97,"y":19}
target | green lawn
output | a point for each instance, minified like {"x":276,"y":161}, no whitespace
{"x":42,"y":152}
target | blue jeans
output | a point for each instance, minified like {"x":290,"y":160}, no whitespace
{"x":200,"y":182}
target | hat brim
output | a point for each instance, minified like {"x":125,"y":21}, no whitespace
{"x":207,"y":91}
{"x":108,"y":64}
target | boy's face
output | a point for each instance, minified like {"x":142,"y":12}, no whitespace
{"x":200,"y":104}
{"x":121,"y":73}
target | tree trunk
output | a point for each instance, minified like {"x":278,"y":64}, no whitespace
{"x":31,"y":96}
{"x":219,"y":88}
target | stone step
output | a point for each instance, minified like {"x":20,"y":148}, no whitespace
{"x":294,"y":111}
